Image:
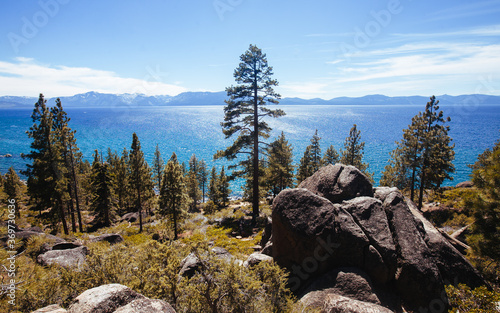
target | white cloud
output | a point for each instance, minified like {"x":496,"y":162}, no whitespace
{"x":26,"y":77}
{"x":306,"y":90}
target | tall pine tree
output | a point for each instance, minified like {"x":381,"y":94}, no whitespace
{"x":280,"y":168}
{"x":354,"y":150}
{"x":245,"y":112}
{"x":102,"y":199}
{"x":140,"y":177}
{"x":173,"y":195}
{"x":331,"y":156}
{"x":47,"y":174}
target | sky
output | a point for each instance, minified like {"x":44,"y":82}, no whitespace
{"x":318,"y":49}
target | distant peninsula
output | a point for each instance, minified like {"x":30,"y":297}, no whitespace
{"x":96,"y":99}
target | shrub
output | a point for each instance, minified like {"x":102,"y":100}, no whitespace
{"x":464,"y":299}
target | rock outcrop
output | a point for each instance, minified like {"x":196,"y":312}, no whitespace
{"x":191,"y":264}
{"x":116,"y":298}
{"x":395,"y":258}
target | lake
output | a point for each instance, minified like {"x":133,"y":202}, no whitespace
{"x":196,"y":130}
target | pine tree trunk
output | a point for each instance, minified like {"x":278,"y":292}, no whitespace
{"x":62,"y":215}
{"x":255,"y":199}
{"x":75,"y":188}
{"x":139,"y":209}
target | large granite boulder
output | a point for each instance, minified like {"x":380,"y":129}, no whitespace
{"x":68,"y":258}
{"x":338,"y":182}
{"x":335,"y":219}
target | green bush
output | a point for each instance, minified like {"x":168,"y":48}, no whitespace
{"x":464,"y":299}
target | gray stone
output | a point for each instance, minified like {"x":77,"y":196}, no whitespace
{"x":338,"y":183}
{"x":465,"y":184}
{"x":333,"y":303}
{"x":54,"y":308}
{"x":381,"y":255}
{"x":145,"y":305}
{"x":191,"y":264}
{"x":311,"y":236}
{"x":68,"y":258}
{"x":453,"y":266}
{"x":103,"y":299}
{"x":111,"y":238}
{"x":256,"y":258}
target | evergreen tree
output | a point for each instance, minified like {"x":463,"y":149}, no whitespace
{"x":71,"y":157}
{"x":140,"y":177}
{"x":12,"y":186}
{"x":423,"y":158}
{"x":331,"y":156}
{"x":193,"y":189}
{"x":305,"y":168}
{"x":315,"y":152}
{"x":102,"y":200}
{"x":173,"y":195}
{"x":279,"y":171}
{"x":47,"y":174}
{"x":354,"y":150}
{"x":203,"y":177}
{"x":158,"y":165}
{"x":311,"y":160}
{"x":485,"y":239}
{"x":245,"y":111}
{"x":213,"y":190}
{"x":223,"y":186}
{"x":437,"y":150}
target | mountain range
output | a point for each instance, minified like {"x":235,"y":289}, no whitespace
{"x":95,"y":99}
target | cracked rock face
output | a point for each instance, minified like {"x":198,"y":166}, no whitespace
{"x":336,"y":219}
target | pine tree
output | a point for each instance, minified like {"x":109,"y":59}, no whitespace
{"x":354,"y":150}
{"x":47,"y":174}
{"x":203,"y":177}
{"x":315,"y":152}
{"x":193,"y":189}
{"x":423,"y":158}
{"x":280,"y":168}
{"x":213,"y":190}
{"x":331,"y":156}
{"x":485,"y":239}
{"x":304,"y":169}
{"x":245,"y":111}
{"x":173,"y":195}
{"x":158,"y":165}
{"x":437,"y":150}
{"x":311,"y":160}
{"x":223,"y":186}
{"x":12,"y":186}
{"x":71,"y":157}
{"x":140,"y":177}
{"x":102,"y":200}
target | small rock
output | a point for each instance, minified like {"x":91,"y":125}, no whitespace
{"x":111,"y":238}
{"x":54,"y":308}
{"x":146,"y":306}
{"x":256,"y":258}
{"x":465,"y":184}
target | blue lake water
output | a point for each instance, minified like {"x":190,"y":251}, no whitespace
{"x":196,"y":130}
